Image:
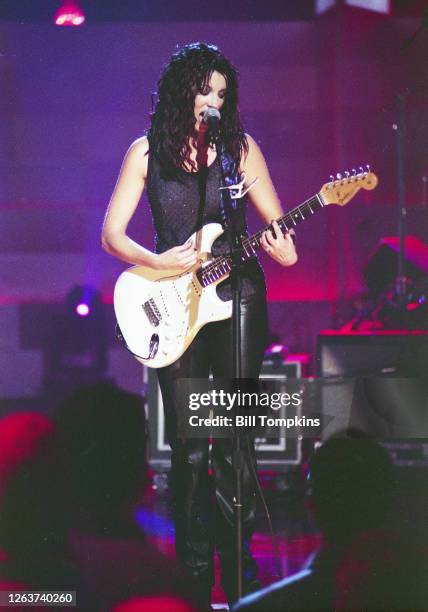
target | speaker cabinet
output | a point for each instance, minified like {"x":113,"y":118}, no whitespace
{"x":271,"y":453}
{"x":375,"y":382}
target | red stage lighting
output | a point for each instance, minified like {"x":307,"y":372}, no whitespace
{"x":69,"y":14}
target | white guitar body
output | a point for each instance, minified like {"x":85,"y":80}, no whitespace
{"x":159,"y":313}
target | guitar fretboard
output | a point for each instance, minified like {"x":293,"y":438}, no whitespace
{"x":221,"y":266}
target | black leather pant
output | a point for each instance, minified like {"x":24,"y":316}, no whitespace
{"x":203,"y":507}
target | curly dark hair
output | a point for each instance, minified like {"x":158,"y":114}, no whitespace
{"x":173,"y":120}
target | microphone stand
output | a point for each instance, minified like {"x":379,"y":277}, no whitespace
{"x":401,"y":129}
{"x":230,"y":212}
{"x":400,"y":281}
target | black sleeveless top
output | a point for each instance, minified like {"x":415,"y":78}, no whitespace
{"x":176,"y":206}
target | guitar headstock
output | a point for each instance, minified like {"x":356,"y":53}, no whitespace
{"x":343,"y":188}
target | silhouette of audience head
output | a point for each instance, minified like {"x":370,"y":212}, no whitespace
{"x":102,"y":434}
{"x":30,"y":482}
{"x":32,"y":516}
{"x":352,"y":482}
{"x":382,"y":565}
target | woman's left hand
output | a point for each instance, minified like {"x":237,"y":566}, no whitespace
{"x":281,"y":248}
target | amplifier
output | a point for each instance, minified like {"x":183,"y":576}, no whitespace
{"x":271,"y":453}
{"x":282,"y":450}
{"x":375,"y":382}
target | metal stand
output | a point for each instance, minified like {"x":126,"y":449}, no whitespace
{"x":230,"y":211}
{"x":400,"y":281}
{"x":400,"y":127}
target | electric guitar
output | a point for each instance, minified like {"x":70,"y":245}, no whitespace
{"x":160,"y":312}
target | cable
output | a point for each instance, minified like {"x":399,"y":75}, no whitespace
{"x":274,"y":539}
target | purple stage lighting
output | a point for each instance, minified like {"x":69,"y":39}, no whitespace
{"x":83,"y":309}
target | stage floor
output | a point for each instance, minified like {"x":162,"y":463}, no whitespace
{"x":296,"y":534}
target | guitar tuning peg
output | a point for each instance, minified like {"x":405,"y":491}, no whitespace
{"x":354,"y":172}
{"x":332,"y":179}
{"x":347,"y":174}
{"x":368,"y":167}
{"x":361,"y":170}
{"x":339,"y":176}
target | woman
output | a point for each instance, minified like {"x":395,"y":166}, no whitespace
{"x":178,"y":163}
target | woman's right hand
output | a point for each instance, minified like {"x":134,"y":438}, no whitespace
{"x":179,"y":258}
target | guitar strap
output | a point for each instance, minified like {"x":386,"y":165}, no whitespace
{"x":202,"y":186}
{"x":231,"y":175}
{"x":230,"y":172}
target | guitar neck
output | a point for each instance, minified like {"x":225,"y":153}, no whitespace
{"x":221,"y":266}
{"x":286,"y":222}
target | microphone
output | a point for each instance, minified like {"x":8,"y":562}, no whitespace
{"x":212,"y":118}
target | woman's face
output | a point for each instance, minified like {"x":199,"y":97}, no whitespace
{"x":211,"y":97}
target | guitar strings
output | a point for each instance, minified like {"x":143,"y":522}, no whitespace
{"x":250,"y":243}
{"x":247,"y":242}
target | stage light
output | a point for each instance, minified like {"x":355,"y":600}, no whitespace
{"x":69,"y":14}
{"x":76,"y":346}
{"x":275,"y":353}
{"x":83,"y":309}
{"x":83,"y":301}
{"x":276,"y":348}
